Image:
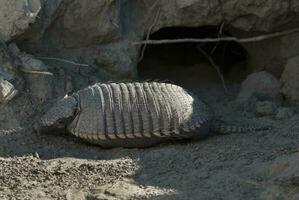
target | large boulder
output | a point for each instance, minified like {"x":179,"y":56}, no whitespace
{"x":262,"y":85}
{"x":16,"y":16}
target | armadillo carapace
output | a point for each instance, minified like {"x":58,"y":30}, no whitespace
{"x":138,"y":114}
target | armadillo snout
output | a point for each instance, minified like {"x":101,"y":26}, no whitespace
{"x":40,"y":127}
{"x":58,"y":117}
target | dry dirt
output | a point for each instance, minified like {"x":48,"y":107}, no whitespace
{"x":235,"y":166}
{"x":260,"y":165}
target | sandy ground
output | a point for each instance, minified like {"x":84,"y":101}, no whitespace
{"x":236,"y":166}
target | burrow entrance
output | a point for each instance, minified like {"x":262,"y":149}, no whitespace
{"x":183,"y":63}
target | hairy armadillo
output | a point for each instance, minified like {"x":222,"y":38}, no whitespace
{"x":133,"y":115}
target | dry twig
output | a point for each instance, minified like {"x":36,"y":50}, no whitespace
{"x":63,"y":60}
{"x":149,"y":31}
{"x":219,"y":35}
{"x":37,"y":72}
{"x":216,"y":67}
{"x":205,"y":40}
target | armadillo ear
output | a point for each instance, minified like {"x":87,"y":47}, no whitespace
{"x":76,"y":111}
{"x":61,"y":124}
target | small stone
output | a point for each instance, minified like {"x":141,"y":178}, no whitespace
{"x":284,"y":113}
{"x":36,"y":155}
{"x":73,"y":194}
{"x":7,"y":91}
{"x":265,"y":108}
{"x":260,"y":85}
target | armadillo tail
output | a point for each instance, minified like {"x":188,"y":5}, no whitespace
{"x":221,"y":128}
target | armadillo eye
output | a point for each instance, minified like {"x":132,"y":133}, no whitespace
{"x":60,"y":121}
{"x":76,"y":111}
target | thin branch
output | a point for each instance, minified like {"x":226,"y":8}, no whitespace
{"x":149,"y":31}
{"x":153,"y":5}
{"x":219,"y":35}
{"x":221,"y":29}
{"x":216,"y":68}
{"x":63,"y":60}
{"x":205,"y":40}
{"x":37,"y":72}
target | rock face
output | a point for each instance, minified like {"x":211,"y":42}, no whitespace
{"x":271,"y":55}
{"x":101,"y":34}
{"x":89,"y":30}
{"x":290,"y":81}
{"x":15,"y":17}
{"x":248,"y":15}
{"x":99,"y":21}
{"x":39,"y":85}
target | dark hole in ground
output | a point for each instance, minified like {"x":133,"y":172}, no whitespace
{"x":183,"y":63}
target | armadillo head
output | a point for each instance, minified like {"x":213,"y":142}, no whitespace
{"x":59,"y":116}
